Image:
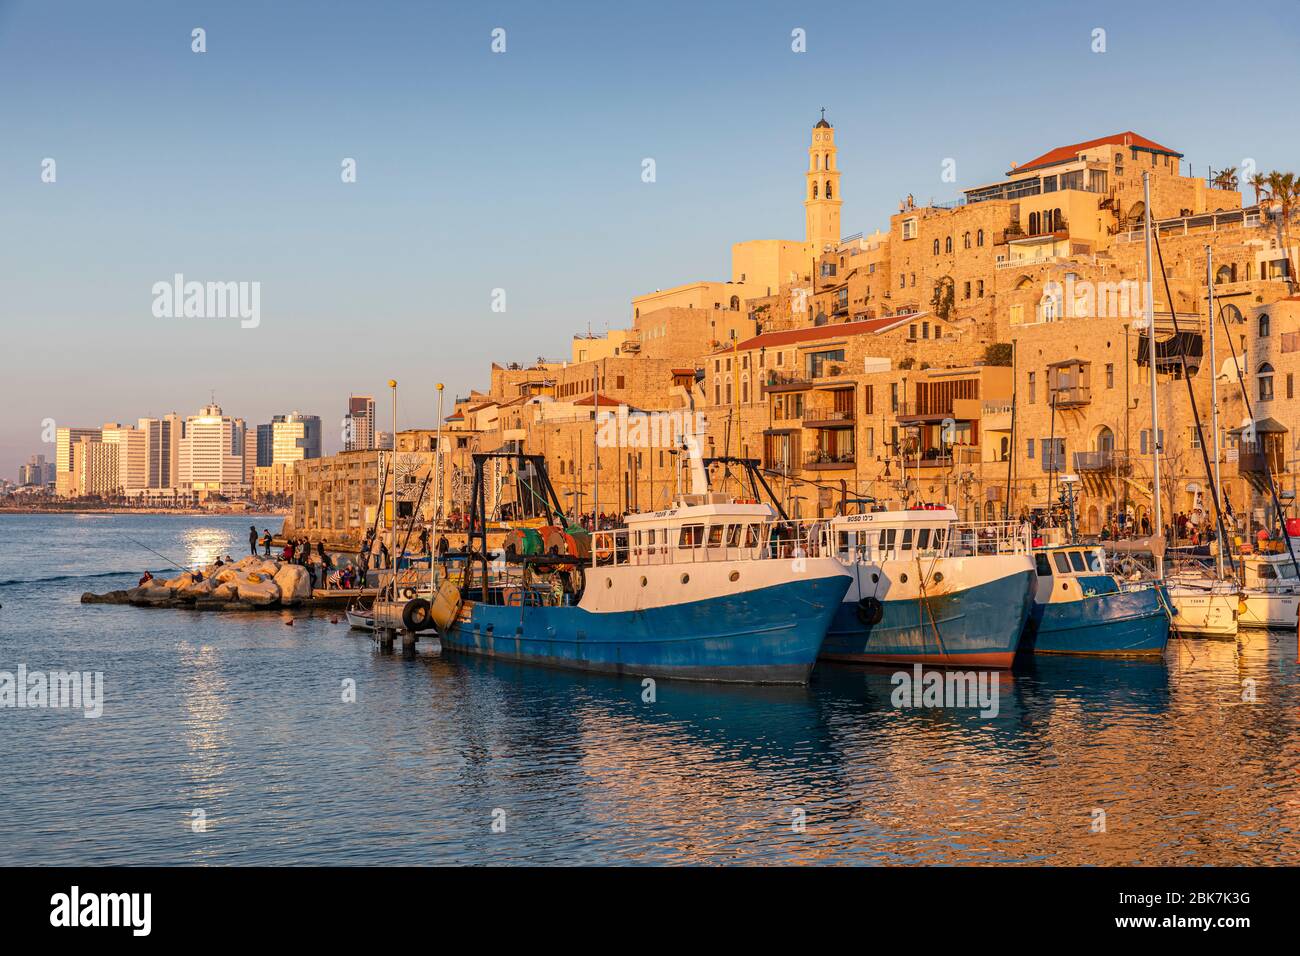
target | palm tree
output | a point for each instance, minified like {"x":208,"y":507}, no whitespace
{"x":1284,"y":196}
{"x":1258,"y":182}
{"x":1226,"y":178}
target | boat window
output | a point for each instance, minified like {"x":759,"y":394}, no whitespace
{"x":650,"y":536}
{"x":887,"y":539}
{"x":715,"y":535}
{"x":733,"y":535}
{"x":1076,"y":559}
{"x":692,"y":536}
{"x":1062,"y":562}
{"x":907,"y":539}
{"x":843,"y":542}
{"x":1267,"y":573}
{"x":938,"y":538}
{"x":1094,"y":562}
{"x":923,"y":539}
{"x":1288,"y":570}
{"x":751,"y":536}
{"x":1044,"y":569}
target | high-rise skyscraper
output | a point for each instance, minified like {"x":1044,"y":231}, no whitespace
{"x":266,"y":442}
{"x":294,"y":437}
{"x":212,"y":453}
{"x":359,"y":433}
{"x":163,"y":446}
{"x":132,"y":456}
{"x":66,"y":443}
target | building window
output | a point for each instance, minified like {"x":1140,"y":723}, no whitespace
{"x":966,"y":289}
{"x":1265,"y":378}
{"x":893,"y":397}
{"x":1032,"y":379}
{"x":936,"y":247}
{"x":965,"y":241}
{"x":909,"y":228}
{"x":870,"y":400}
{"x":979,"y":237}
{"x":911,"y":331}
{"x":979,"y":288}
{"x":1029,"y":448}
{"x":1110,"y":375}
{"x":1263,"y":325}
{"x":1290,"y":385}
{"x":947,"y":245}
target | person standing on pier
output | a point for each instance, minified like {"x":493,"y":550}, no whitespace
{"x":424,"y":540}
{"x":326,"y":565}
{"x":252,"y":540}
{"x":384,"y":557}
{"x":266,"y":541}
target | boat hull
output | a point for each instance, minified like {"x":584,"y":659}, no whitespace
{"x":762,"y":635}
{"x":1264,"y":609}
{"x":1204,"y":613}
{"x":1118,"y":624}
{"x":975,"y":626}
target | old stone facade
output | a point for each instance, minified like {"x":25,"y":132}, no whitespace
{"x":973,"y":352}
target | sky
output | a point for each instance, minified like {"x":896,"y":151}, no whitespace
{"x":518,"y":170}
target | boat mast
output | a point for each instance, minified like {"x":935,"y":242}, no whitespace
{"x":595,"y":454}
{"x":392,"y":520}
{"x":1158,"y":523}
{"x":1214,"y":414}
{"x":437,"y":505}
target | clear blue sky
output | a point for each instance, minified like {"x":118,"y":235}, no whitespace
{"x":518,"y":171}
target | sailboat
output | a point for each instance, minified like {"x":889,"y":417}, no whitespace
{"x":1203,"y":603}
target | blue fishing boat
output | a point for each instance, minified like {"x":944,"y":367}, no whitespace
{"x":926,"y":591}
{"x":1080,"y":608}
{"x":705,"y":590}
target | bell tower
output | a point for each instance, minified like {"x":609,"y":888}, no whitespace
{"x":822,"y":194}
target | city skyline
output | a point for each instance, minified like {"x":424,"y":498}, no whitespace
{"x":368,"y":280}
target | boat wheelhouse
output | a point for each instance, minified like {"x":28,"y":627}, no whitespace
{"x":928,"y":590}
{"x":1081,"y":608}
{"x":1270,"y":594}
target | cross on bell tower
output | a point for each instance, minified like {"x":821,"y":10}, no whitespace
{"x":822,"y":195}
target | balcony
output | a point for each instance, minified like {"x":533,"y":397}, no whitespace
{"x":786,"y":382}
{"x":1105,"y":461}
{"x":1070,"y":396}
{"x":827,"y":418}
{"x":1251,"y":464}
{"x":819,"y":460}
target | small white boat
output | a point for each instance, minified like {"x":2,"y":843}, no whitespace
{"x":360,"y":619}
{"x":1271,"y":594}
{"x":1203,"y":606}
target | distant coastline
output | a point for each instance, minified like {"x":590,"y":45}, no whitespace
{"x":102,"y":510}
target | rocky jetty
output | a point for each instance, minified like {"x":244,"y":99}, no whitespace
{"x":252,"y":583}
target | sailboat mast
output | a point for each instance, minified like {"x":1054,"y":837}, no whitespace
{"x":1158,"y":523}
{"x":1214,"y":413}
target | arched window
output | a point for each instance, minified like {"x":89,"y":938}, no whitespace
{"x":735,"y":303}
{"x":947,"y":245}
{"x":979,"y":238}
{"x":1265,"y":379}
{"x":817,"y":162}
{"x":965,"y":241}
{"x":936,"y":247}
{"x":1263,"y":326}
{"x":1223,"y":275}
{"x":814,"y":189}
{"x":828,"y":189}
{"x":1058,"y":221}
{"x":1033,"y":223}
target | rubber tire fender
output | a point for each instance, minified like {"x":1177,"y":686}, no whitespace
{"x":870,"y":611}
{"x":417,"y":615}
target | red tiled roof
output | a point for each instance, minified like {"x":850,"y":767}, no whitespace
{"x":604,"y":400}
{"x":1064,"y":154}
{"x":683,"y":371}
{"x":813,"y":333}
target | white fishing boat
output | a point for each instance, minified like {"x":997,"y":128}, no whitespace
{"x":360,"y":619}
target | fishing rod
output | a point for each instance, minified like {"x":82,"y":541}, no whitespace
{"x":152,"y":551}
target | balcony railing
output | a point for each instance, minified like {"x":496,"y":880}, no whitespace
{"x":827,"y":417}
{"x":821,"y":460}
{"x":1069,"y":396}
{"x":1104,"y":461}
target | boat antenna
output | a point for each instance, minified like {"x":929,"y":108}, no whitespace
{"x":1191,"y":397}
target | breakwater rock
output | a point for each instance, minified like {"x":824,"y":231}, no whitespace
{"x":248,"y":584}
